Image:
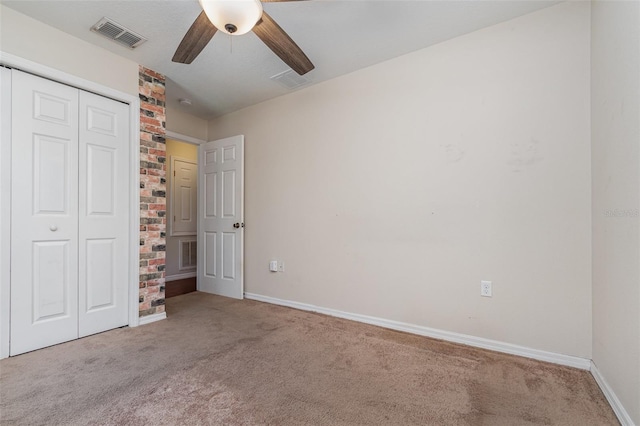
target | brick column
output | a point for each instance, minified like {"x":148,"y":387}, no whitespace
{"x":153,"y":203}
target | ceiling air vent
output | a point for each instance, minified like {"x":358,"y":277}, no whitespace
{"x":290,"y":79}
{"x":116,"y":32}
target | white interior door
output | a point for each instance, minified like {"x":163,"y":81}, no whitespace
{"x":69,"y":213}
{"x":103,"y":214}
{"x":220,"y":220}
{"x":184,"y":197}
{"x":44,"y":213}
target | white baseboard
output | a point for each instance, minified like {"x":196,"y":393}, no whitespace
{"x":177,"y":277}
{"x":479,"y":342}
{"x":152,"y":318}
{"x":616,"y":405}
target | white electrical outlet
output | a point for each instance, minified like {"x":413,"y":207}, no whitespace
{"x":281,"y":267}
{"x":273,"y":266}
{"x":485,"y":289}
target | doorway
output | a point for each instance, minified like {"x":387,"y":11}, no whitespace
{"x":205,"y":243}
{"x":182,"y":217}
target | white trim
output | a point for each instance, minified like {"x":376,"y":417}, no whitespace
{"x":623,"y":417}
{"x":177,"y":277}
{"x":478,"y":342}
{"x":183,"y":138}
{"x":35,"y":68}
{"x":44,"y":71}
{"x":152,"y":318}
{"x":5,"y":211}
{"x":134,"y":212}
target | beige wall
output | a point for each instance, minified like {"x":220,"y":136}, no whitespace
{"x":27,"y":38}
{"x":190,"y":152}
{"x":616,"y":198}
{"x":186,"y":124}
{"x":182,"y":149}
{"x":394,"y":190}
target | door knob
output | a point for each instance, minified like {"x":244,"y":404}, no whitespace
{"x":54,"y":228}
{"x":236,"y":225}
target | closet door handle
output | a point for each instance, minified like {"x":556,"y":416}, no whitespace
{"x":53,"y":228}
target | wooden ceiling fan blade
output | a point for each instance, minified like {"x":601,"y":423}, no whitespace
{"x":282,"y":45}
{"x":200,"y":33}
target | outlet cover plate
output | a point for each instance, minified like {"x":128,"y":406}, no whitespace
{"x":485,"y":289}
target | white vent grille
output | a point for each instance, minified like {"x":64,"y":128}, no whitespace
{"x":290,"y":79}
{"x":116,"y":32}
{"x":188,"y":255}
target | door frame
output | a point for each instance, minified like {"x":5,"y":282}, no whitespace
{"x":13,"y":61}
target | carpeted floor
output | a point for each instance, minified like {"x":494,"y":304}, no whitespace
{"x":222,"y":361}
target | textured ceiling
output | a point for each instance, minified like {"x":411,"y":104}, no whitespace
{"x":234,"y":72}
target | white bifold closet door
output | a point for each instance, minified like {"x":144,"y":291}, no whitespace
{"x":69,"y":213}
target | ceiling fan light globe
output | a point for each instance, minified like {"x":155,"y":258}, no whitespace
{"x":241,"y":14}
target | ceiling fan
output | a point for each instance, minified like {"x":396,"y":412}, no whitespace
{"x":236,"y":17}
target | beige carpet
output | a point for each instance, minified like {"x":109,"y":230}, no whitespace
{"x":221,"y":361}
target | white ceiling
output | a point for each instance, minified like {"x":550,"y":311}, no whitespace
{"x":234,"y":72}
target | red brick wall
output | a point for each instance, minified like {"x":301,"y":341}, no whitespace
{"x":153,"y":205}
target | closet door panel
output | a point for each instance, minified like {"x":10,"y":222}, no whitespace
{"x":44,"y":213}
{"x":104,"y":214}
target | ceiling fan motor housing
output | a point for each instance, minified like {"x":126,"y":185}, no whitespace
{"x":233,"y":16}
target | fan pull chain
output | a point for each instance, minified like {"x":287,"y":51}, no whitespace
{"x":231,"y":44}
